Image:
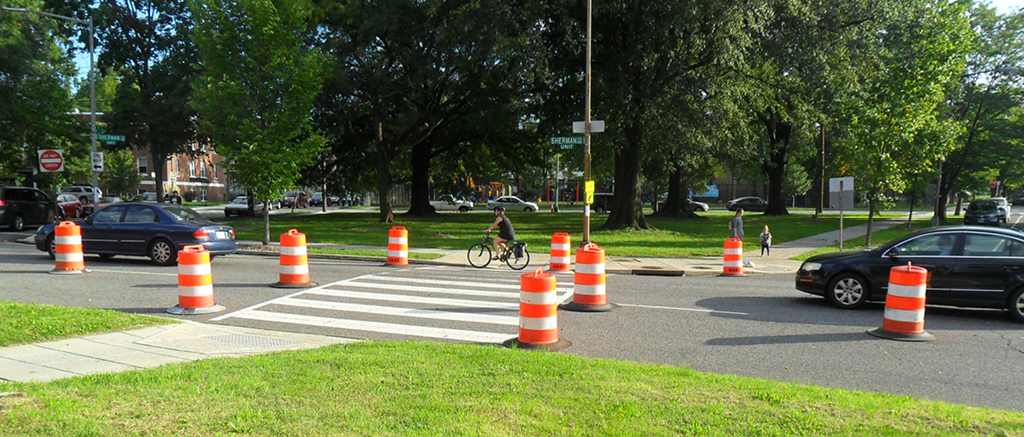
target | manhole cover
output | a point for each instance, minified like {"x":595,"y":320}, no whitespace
{"x":250,"y":340}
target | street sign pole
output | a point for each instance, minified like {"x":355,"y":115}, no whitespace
{"x":557,"y":168}
{"x":586,"y":131}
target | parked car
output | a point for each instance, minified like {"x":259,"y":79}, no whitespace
{"x":293,"y":199}
{"x":1004,"y":208}
{"x":750,"y":203}
{"x":512,"y":203}
{"x":158,"y":231}
{"x":694,"y":205}
{"x":602,"y":202}
{"x":70,"y":206}
{"x":89,"y":208}
{"x":448,"y":202}
{"x":147,"y":197}
{"x":981,"y":212}
{"x":968,"y":266}
{"x":23,"y":206}
{"x":83,"y":192}
{"x":317,"y":199}
{"x":239,"y":207}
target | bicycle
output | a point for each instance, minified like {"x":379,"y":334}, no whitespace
{"x":515,"y":255}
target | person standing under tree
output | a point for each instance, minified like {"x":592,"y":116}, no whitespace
{"x":766,"y":241}
{"x":736,"y":225}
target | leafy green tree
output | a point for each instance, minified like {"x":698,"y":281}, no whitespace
{"x":121,"y":173}
{"x":146,"y":44}
{"x":34,"y":90}
{"x":256,"y":92}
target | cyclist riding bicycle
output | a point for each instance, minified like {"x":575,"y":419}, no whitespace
{"x":505,"y":231}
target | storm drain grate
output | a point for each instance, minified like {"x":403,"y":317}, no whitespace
{"x":249,"y":340}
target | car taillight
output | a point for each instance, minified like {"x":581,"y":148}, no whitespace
{"x":2,"y":203}
{"x":232,"y":234}
{"x":201,"y":234}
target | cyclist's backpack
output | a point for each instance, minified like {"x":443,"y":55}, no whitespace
{"x":520,"y":249}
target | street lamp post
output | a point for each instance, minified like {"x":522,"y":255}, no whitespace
{"x":586,"y":130}
{"x":92,"y":83}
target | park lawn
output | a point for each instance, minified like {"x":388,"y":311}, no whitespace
{"x":22,"y":323}
{"x":430,"y":389}
{"x":878,"y":238}
{"x":698,"y":237}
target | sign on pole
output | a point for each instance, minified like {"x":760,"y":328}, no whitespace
{"x":843,"y":202}
{"x":51,"y":160}
{"x":566,"y":140}
{"x":589,"y":200}
{"x":579,"y":127}
{"x":96,"y":159}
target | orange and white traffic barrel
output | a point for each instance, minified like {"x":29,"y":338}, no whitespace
{"x":398,"y":246}
{"x":561,"y":252}
{"x":294,"y":261}
{"x":195,"y":283}
{"x":733,"y":258}
{"x":588,"y":291}
{"x":904,"y":305}
{"x":67,"y":249}
{"x":538,"y":313}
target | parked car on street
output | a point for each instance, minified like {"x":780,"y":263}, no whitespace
{"x":83,"y":192}
{"x":968,"y":266}
{"x":158,"y":231}
{"x":750,"y":203}
{"x":240,"y":207}
{"x":23,"y":206}
{"x":147,"y":197}
{"x":317,"y":199}
{"x":70,"y":206}
{"x":448,"y":202}
{"x":982,"y":212}
{"x":694,"y":205}
{"x":295,"y":199}
{"x":1004,"y":207}
{"x":89,"y":208}
{"x":512,"y":203}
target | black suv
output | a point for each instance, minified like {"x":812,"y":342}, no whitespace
{"x":20,"y":206}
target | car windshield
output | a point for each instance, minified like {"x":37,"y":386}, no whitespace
{"x":981,"y":207}
{"x":241,"y":199}
{"x":183,"y":214}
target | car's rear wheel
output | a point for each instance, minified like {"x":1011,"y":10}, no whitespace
{"x":162,"y":252}
{"x":1016,"y":305}
{"x":848,"y":291}
{"x":528,"y":209}
{"x":78,"y":212}
{"x":19,"y":223}
{"x":51,"y":247}
{"x":463,"y":209}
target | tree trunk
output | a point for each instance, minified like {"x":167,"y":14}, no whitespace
{"x":676,"y":204}
{"x":779,"y":134}
{"x":940,"y":204}
{"x":420,"y":203}
{"x":384,"y":177}
{"x":627,"y":211}
{"x":871,"y":216}
{"x":266,"y":222}
{"x":160,"y":169}
{"x":910,"y":217}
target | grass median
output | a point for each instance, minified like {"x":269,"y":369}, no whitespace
{"x":22,"y":323}
{"x":671,"y":238}
{"x":429,"y":389}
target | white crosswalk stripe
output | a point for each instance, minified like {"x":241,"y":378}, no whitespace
{"x":437,"y":304}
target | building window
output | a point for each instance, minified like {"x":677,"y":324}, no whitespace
{"x":143,"y":166}
{"x":191,"y":169}
{"x":202,"y":170}
{"x":204,"y":195}
{"x":214,"y":171}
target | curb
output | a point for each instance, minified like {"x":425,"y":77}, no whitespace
{"x":340,"y":257}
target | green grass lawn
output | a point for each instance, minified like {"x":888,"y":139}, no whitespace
{"x":703,"y":236}
{"x":29,"y":323}
{"x":430,"y":389}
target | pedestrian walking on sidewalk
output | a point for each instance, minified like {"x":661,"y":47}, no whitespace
{"x":766,"y":241}
{"x":736,"y":225}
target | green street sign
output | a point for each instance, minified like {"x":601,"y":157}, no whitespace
{"x":566,"y":140}
{"x":109,"y":138}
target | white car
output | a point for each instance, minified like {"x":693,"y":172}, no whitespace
{"x":512,"y":203}
{"x":240,"y":207}
{"x":448,"y":202}
{"x":83,"y":192}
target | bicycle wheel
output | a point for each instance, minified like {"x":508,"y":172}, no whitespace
{"x":518,"y":262}
{"x":479,"y":255}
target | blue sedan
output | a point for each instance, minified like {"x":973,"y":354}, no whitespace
{"x":158,"y":231}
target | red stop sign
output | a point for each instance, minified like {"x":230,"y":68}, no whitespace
{"x":993,"y":183}
{"x":51,"y":160}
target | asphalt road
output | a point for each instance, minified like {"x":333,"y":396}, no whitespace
{"x":757,"y":326}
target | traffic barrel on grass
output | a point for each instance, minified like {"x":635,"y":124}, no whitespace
{"x":67,"y":249}
{"x":588,"y":290}
{"x":398,"y":246}
{"x":733,"y":258}
{"x":294,"y":261}
{"x":538,"y":313}
{"x":195,"y":283}
{"x":561,"y":252}
{"x":904,"y":305}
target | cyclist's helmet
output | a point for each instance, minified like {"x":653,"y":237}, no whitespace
{"x":500,"y":208}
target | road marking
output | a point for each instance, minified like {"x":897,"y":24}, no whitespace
{"x":388,"y":328}
{"x":454,"y":283}
{"x":497,"y":294}
{"x":417,"y":299}
{"x":396,"y":311}
{"x":262,"y":304}
{"x":699,"y":310}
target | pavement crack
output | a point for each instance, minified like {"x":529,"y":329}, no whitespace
{"x":1009,"y":344}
